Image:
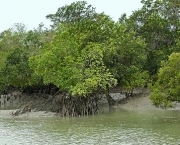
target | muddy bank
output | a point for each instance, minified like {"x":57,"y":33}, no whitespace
{"x":32,"y":114}
{"x":142,"y":103}
{"x":139,"y":102}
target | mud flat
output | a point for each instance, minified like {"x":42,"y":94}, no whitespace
{"x":32,"y":114}
{"x":142,"y":103}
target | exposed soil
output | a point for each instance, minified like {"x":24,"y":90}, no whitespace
{"x":139,"y":102}
{"x":37,"y":108}
{"x":32,"y":114}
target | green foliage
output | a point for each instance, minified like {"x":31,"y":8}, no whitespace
{"x":3,"y":81}
{"x":158,"y":97}
{"x":80,"y":27}
{"x":168,"y":81}
{"x":158,"y":23}
{"x":85,"y":52}
{"x":71,"y":68}
{"x":94,"y":73}
{"x":71,"y":14}
{"x":16,"y":45}
{"x":9,"y":40}
{"x":56,"y":66}
{"x":74,"y":61}
{"x":17,"y":71}
{"x":137,"y":79}
{"x":125,"y":57}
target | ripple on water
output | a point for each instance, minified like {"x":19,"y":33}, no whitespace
{"x":118,"y":129}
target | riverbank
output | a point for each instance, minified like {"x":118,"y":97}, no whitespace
{"x":32,"y":114}
{"x":136,"y":104}
{"x":140,"y":102}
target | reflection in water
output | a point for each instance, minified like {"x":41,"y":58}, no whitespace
{"x":116,"y":127}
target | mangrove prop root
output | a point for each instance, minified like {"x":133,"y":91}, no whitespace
{"x":77,"y":106}
{"x":50,"y":99}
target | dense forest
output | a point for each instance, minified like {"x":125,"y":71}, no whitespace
{"x":85,"y":53}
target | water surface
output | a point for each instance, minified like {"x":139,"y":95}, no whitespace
{"x":117,"y":127}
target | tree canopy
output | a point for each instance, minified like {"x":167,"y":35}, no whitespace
{"x":84,"y":52}
{"x":167,"y":88}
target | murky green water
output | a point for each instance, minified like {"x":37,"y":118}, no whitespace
{"x":114,"y":128}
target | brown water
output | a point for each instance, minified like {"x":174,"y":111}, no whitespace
{"x":116,"y":127}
